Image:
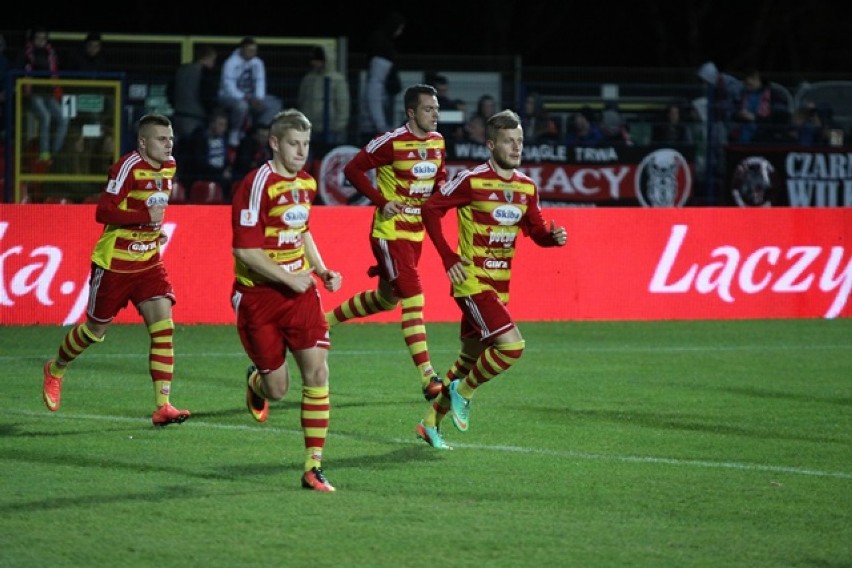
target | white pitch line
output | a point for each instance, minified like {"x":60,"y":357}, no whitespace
{"x":515,"y":449}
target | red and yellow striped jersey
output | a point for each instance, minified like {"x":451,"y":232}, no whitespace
{"x":130,"y":242}
{"x":408,"y":170}
{"x":271,"y":212}
{"x":491,"y":211}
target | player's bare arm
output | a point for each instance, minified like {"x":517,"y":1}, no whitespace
{"x":331,"y":279}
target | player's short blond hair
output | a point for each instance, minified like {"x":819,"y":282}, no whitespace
{"x":289,"y":119}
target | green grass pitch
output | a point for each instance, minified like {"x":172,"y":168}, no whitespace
{"x":713,"y":443}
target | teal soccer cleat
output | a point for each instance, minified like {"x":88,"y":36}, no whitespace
{"x":432,"y":436}
{"x":459,"y":407}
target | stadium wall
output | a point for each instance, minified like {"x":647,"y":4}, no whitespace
{"x":619,"y":264}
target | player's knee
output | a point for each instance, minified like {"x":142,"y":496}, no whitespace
{"x":512,"y":350}
{"x":317,"y":377}
{"x":277,"y":383}
{"x":387,"y":303}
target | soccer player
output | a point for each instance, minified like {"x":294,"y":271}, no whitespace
{"x":127,"y":267}
{"x":494,"y":204}
{"x":275,"y":297}
{"x":410,"y":165}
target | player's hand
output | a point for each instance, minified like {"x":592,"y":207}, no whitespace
{"x":391,"y":209}
{"x":559,"y":234}
{"x":299,"y":281}
{"x":332,"y":280}
{"x":163,"y":238}
{"x":458,"y":272}
{"x":157,"y":212}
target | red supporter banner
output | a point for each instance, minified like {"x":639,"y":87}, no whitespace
{"x":566,"y":176}
{"x":620,"y":263}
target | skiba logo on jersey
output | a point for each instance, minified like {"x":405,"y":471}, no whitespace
{"x":506,"y":215}
{"x":422,"y":170}
{"x":296,"y":216}
{"x":157,"y":199}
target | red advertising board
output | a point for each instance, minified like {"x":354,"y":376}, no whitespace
{"x":620,"y":263}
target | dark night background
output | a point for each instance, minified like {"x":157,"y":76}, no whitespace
{"x":783,"y":36}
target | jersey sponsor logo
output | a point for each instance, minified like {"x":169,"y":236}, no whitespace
{"x":424,"y":170}
{"x":112,"y":187}
{"x":494,"y":264}
{"x":294,"y":266}
{"x":423,"y":188}
{"x":296,"y":216}
{"x":157,"y":199}
{"x":289,"y":238}
{"x":137,"y":248}
{"x":507,"y":215}
{"x":411,"y":210}
{"x":504,"y":238}
{"x":248,"y":218}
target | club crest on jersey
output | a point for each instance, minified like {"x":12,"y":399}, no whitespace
{"x":159,"y":183}
{"x":508,"y":194}
{"x":423,"y":153}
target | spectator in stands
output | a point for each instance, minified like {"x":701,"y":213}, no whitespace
{"x":754,"y":108}
{"x":252,"y":152}
{"x":671,"y":128}
{"x":536,"y":121}
{"x":204,"y":156}
{"x":833,"y":130}
{"x":193,"y":92}
{"x":486,"y":106}
{"x":243,"y":90}
{"x":451,"y":131}
{"x":723,"y":92}
{"x":613,"y":126}
{"x":474,"y":129}
{"x":90,"y":56}
{"x":584,"y":131}
{"x":38,"y":59}
{"x":383,"y":82}
{"x":806,"y":128}
{"x":324,"y":99}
